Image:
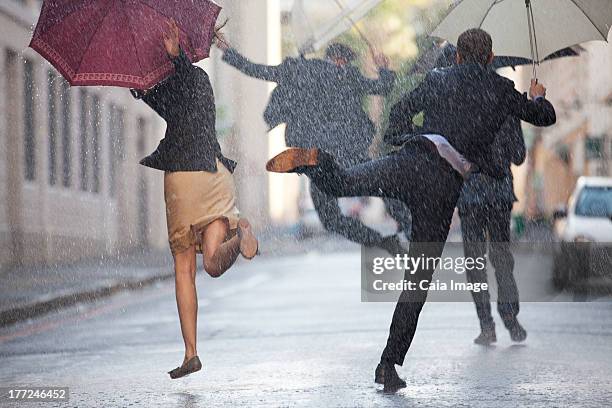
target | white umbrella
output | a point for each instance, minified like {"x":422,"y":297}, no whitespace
{"x":530,"y":28}
{"x":315,"y":25}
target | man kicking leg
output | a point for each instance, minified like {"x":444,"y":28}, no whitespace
{"x":464,"y":108}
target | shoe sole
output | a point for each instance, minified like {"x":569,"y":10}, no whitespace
{"x":485,"y":343}
{"x":185,"y":373}
{"x":292,"y":159}
{"x":248,"y":242}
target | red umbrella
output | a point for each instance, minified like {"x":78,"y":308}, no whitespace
{"x":119,"y":42}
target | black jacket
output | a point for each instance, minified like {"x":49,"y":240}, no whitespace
{"x":321,"y":103}
{"x":467,"y":104}
{"x":187,"y":103}
{"x":485,"y":191}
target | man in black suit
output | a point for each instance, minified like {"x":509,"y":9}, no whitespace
{"x":464,"y":108}
{"x":485,"y":209}
{"x":321,"y":101}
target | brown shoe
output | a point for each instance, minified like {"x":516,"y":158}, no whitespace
{"x":248,"y":242}
{"x":191,"y":366}
{"x":292,"y":160}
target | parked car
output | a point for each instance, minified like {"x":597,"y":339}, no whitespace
{"x":583,"y":232}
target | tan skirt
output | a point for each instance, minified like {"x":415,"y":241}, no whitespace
{"x":194,"y":200}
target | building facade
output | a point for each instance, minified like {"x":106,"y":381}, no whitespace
{"x":70,"y":183}
{"x":580,"y":144}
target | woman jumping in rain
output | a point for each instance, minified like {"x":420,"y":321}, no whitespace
{"x":198,"y":187}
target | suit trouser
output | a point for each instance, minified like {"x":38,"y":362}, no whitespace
{"x":334,"y":220}
{"x":430,"y":187}
{"x":476,"y":223}
{"x":401,"y":214}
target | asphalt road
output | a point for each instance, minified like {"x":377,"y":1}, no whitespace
{"x":293,"y":332}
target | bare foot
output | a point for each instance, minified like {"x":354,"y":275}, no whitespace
{"x":248,"y":241}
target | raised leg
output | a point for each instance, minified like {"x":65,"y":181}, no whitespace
{"x":401,"y":214}
{"x":219,"y":253}
{"x":334,"y":220}
{"x":376,"y":178}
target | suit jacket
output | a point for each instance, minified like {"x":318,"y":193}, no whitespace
{"x":187,"y":103}
{"x":321,"y":103}
{"x":467,"y":104}
{"x":485,"y":191}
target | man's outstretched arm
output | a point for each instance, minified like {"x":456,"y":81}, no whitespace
{"x":260,"y":71}
{"x":383,"y":85}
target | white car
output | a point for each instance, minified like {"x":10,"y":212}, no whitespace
{"x":583,"y":233}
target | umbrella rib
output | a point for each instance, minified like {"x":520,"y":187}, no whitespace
{"x":76,"y":10}
{"x":140,"y":64}
{"x":163,"y":14}
{"x":604,"y":36}
{"x":78,"y":67}
{"x":493,"y":2}
{"x":154,"y":9}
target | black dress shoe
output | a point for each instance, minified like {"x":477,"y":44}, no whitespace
{"x":486,"y":337}
{"x":517,"y":332}
{"x":392,"y":381}
{"x":191,"y":366}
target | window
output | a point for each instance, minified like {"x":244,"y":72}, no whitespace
{"x":595,"y":202}
{"x":84,"y":138}
{"x":53,"y":126}
{"x":142,"y":136}
{"x":66,"y":134}
{"x":95,"y":142}
{"x":29,"y":120}
{"x":116,"y":150}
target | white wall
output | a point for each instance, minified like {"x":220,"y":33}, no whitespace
{"x":55,"y":223}
{"x":254,"y":29}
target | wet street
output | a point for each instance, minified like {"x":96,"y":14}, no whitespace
{"x":293,"y":332}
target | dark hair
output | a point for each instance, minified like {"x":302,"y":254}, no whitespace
{"x":475,"y":45}
{"x":337,"y":50}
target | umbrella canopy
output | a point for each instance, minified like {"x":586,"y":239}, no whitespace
{"x":315,"y":25}
{"x":440,"y":56}
{"x":118,"y":42}
{"x":530,"y":29}
{"x":503,"y":61}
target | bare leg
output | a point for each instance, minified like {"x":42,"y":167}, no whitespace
{"x":219,"y":254}
{"x":187,"y":299}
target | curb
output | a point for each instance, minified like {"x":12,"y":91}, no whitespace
{"x":35,"y":309}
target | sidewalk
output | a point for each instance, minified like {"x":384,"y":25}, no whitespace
{"x":28,"y":292}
